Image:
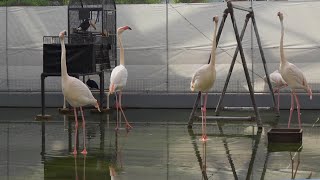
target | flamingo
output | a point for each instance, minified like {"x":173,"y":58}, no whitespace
{"x":119,"y":75}
{"x":75,"y":92}
{"x":203,"y":79}
{"x":277,"y":83}
{"x":293,"y":76}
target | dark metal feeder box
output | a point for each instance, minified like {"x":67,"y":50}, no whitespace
{"x":283,"y":135}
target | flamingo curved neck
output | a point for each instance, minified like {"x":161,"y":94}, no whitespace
{"x":121,"y":49}
{"x":283,"y":59}
{"x":213,"y":49}
{"x":64,"y":72}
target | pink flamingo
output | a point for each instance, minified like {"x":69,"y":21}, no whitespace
{"x":277,"y":83}
{"x":119,"y":75}
{"x":293,"y":76}
{"x":203,"y":79}
{"x":76,"y":93}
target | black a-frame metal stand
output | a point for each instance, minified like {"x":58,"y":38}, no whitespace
{"x":257,"y":118}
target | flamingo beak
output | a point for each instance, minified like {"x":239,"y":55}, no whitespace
{"x":310,"y":93}
{"x":97,"y":106}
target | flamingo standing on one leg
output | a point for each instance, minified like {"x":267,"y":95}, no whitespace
{"x":119,"y":75}
{"x":277,"y":83}
{"x":203,"y":79}
{"x":293,"y":76}
{"x":75,"y":92}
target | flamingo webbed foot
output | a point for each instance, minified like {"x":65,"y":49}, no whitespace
{"x":84,"y":152}
{"x":128,"y":127}
{"x":204,"y":138}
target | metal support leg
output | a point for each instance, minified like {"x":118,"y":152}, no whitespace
{"x":244,"y":64}
{"x":195,"y":106}
{"x":263,"y":59}
{"x":218,"y":108}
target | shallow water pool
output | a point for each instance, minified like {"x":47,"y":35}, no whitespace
{"x":159,"y":146}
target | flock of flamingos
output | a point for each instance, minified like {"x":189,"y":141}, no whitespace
{"x":78,"y":94}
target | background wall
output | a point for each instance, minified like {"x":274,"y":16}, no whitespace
{"x":167,"y":44}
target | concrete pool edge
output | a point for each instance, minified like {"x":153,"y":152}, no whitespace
{"x":159,"y":100}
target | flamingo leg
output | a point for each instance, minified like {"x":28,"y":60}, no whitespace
{"x":291,"y":109}
{"x":204,"y":118}
{"x":76,"y":130}
{"x":84,"y":133}
{"x":128,"y":126}
{"x":278,"y":104}
{"x":298,"y":108}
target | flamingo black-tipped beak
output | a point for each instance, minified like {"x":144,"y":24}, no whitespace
{"x":129,"y":28}
{"x":65,"y":33}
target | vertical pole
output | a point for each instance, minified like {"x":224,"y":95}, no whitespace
{"x":244,"y":64}
{"x":263,"y":59}
{"x":167,"y":44}
{"x":7,"y":62}
{"x":218,"y":108}
{"x":42,"y":94}
{"x":43,"y":139}
{"x":101,"y":75}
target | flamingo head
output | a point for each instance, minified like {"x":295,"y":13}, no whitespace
{"x":96,"y":105}
{"x":62,"y":34}
{"x":123,"y":28}
{"x":216,"y":19}
{"x":280,"y":14}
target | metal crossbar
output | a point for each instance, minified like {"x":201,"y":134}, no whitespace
{"x":229,"y":10}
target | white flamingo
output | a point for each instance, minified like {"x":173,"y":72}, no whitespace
{"x":277,"y":83}
{"x":293,"y":76}
{"x":203,"y":79}
{"x":76,"y":93}
{"x":119,"y":75}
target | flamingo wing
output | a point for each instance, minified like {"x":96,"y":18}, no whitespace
{"x":294,"y":76}
{"x":277,"y":79}
{"x":77,"y":93}
{"x":203,"y":78}
{"x":119,"y":76}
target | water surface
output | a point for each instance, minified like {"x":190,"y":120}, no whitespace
{"x":160,"y":146}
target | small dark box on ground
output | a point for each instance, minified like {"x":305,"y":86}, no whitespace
{"x":285,"y":135}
